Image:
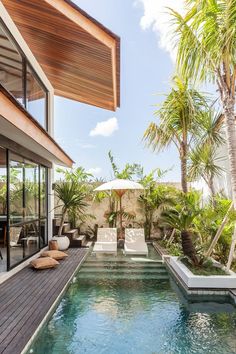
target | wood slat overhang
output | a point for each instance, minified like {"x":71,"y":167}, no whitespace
{"x":80,"y":57}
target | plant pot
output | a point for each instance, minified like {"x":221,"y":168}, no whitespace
{"x":62,"y":241}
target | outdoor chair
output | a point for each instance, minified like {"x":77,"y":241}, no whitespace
{"x":135,"y":242}
{"x":106,"y":241}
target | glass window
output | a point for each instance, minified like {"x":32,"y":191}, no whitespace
{"x":3,"y":210}
{"x":24,"y":241}
{"x":17,"y":211}
{"x":43,"y":232}
{"x":11,"y":67}
{"x":17,"y":77}
{"x":35,"y":98}
{"x":27,"y":209}
{"x":31,"y":190}
{"x":43,"y":192}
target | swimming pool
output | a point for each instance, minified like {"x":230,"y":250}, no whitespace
{"x":104,"y":314}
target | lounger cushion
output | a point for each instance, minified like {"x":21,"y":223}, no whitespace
{"x":105,"y":247}
{"x":44,"y":263}
{"x":54,"y":254}
{"x":136,"y":248}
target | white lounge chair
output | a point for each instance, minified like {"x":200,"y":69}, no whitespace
{"x":106,"y":241}
{"x":135,"y":242}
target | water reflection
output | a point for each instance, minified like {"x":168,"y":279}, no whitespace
{"x":114,"y":316}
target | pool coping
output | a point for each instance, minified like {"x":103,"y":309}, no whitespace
{"x":55,"y":303}
{"x":193,"y":291}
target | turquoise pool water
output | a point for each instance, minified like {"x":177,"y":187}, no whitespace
{"x":142,"y":316}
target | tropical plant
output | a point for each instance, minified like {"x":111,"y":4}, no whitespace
{"x":208,"y":224}
{"x":72,"y":198}
{"x":181,"y":217}
{"x":83,"y":180}
{"x":206,"y":43}
{"x":155,"y":198}
{"x":179,"y":117}
{"x":129,"y":171}
{"x":78,"y":175}
{"x":204,"y":163}
{"x":113,"y":216}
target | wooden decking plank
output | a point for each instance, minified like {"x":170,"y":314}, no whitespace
{"x":28,"y":296}
{"x":21,"y":307}
{"x":27,"y":288}
{"x":36,"y":305}
{"x":18,"y":297}
{"x":15,"y":346}
{"x":15,"y":292}
{"x":30,"y":320}
{"x":36,"y":298}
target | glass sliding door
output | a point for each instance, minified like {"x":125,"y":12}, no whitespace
{"x":3,"y":210}
{"x":43,"y":207}
{"x":27,"y":208}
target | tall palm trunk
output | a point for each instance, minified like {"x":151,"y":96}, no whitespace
{"x":183,"y":158}
{"x":212,"y":190}
{"x":188,"y":247}
{"x":229,"y":114}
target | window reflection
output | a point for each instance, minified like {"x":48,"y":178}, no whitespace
{"x":28,"y":208}
{"x":36,"y":98}
{"x":11,"y":67}
{"x":24,"y":241}
{"x":3,"y":210}
{"x":31,"y":186}
{"x":17,"y":211}
{"x":17,"y":77}
{"x":43,"y":192}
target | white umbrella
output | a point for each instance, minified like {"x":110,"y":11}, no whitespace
{"x":119,"y":186}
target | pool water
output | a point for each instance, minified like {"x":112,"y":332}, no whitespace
{"x":142,"y":316}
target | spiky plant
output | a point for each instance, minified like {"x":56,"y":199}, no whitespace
{"x":72,"y":198}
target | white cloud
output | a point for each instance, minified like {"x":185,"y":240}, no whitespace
{"x":105,"y":128}
{"x":157,"y":18}
{"x":96,"y":171}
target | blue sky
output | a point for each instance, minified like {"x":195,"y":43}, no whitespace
{"x":146,"y":69}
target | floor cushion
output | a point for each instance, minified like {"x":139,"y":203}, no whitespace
{"x":44,"y":263}
{"x":54,"y":254}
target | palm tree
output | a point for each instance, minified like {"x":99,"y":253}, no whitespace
{"x":72,"y":198}
{"x":181,"y":217}
{"x":179,"y":117}
{"x":204,"y":164}
{"x":206,"y":40}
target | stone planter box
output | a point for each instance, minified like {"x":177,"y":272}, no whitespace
{"x":201,"y":281}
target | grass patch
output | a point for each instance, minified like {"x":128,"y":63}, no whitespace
{"x":206,"y":269}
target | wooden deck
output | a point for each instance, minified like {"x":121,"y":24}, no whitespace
{"x":26,"y":298}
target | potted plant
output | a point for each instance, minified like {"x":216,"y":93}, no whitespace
{"x":72,"y":197}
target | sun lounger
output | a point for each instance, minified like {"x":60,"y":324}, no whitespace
{"x":106,"y":241}
{"x":135,"y":242}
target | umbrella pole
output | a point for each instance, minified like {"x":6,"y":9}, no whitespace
{"x":121,"y":233}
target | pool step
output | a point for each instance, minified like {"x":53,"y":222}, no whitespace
{"x":101,"y":276}
{"x":122,"y":265}
{"x":123,"y":271}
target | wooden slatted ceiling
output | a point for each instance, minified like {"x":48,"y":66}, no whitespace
{"x":79,"y":56}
